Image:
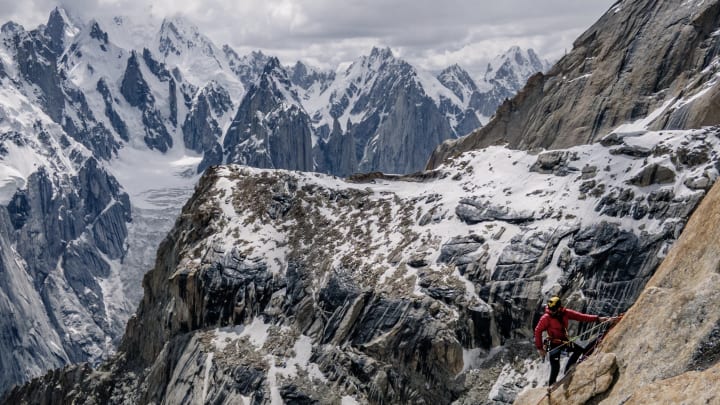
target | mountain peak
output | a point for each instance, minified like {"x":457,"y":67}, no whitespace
{"x":11,"y":27}
{"x":514,"y":50}
{"x":58,"y":16}
{"x":453,"y":69}
{"x":276,"y":76}
{"x":381,"y":53}
{"x":59,"y":29}
{"x":305,"y":75}
{"x":272,"y":64}
{"x":179,"y":25}
{"x":515,"y":62}
{"x":177,"y":35}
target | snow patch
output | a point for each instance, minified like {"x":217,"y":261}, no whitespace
{"x":256,"y":331}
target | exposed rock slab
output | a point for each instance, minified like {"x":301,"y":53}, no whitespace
{"x":678,"y":308}
{"x":590,"y":379}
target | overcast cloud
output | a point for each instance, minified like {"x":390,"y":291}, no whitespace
{"x":432,"y":34}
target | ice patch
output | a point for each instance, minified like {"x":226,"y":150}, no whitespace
{"x":142,"y":171}
{"x":553,"y":272}
{"x":10,"y":181}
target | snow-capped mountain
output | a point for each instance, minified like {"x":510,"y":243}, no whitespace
{"x":469,"y":114}
{"x":247,"y":68}
{"x":512,"y":69}
{"x":371,"y":102}
{"x":62,"y":236}
{"x":108,"y":123}
{"x":281,"y":286}
{"x":307,"y":77}
{"x":505,"y":75}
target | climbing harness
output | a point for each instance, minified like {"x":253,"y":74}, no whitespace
{"x":609,"y":323}
{"x":583,"y":336}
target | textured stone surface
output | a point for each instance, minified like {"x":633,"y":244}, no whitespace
{"x":473,"y":210}
{"x":345,"y":282}
{"x":137,"y":93}
{"x":590,"y":379}
{"x":268,"y":130}
{"x":63,"y":234}
{"x":681,"y":297}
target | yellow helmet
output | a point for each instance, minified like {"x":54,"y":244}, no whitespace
{"x":554,"y":303}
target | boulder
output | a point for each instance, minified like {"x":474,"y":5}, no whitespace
{"x":632,"y":151}
{"x":653,"y":174}
{"x":589,"y":379}
{"x":474,"y":210}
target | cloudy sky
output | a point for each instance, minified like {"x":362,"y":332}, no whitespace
{"x":432,"y":34}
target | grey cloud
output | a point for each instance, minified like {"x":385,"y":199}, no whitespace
{"x":427,"y":32}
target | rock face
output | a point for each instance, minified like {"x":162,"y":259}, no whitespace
{"x":505,"y":76}
{"x":137,"y":93}
{"x":675,"y":309}
{"x":62,"y":229}
{"x":627,"y":65}
{"x":396,"y":143}
{"x":386,"y":108}
{"x":270,"y":128}
{"x":589,"y":380}
{"x":201,"y":129}
{"x":278,"y":286}
{"x":288,"y":286}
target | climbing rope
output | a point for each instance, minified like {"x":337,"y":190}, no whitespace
{"x":608,"y":324}
{"x":585,"y":335}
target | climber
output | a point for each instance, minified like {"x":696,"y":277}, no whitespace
{"x":555,"y":322}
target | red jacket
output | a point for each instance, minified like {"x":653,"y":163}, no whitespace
{"x":556,"y":325}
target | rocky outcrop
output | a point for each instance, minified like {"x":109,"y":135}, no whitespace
{"x":270,"y":130}
{"x":464,"y":116}
{"x":117,"y":123}
{"x":589,"y":380}
{"x":247,"y":68}
{"x":675,"y":309}
{"x":201,"y":129}
{"x":137,"y":93}
{"x":55,"y":30}
{"x":285,"y":286}
{"x":64,"y":234}
{"x":37,"y":63}
{"x":306,"y":77}
{"x":397,"y":142}
{"x":336,"y":155}
{"x":622,"y":68}
{"x":399,"y":121}
{"x":473,"y":211}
